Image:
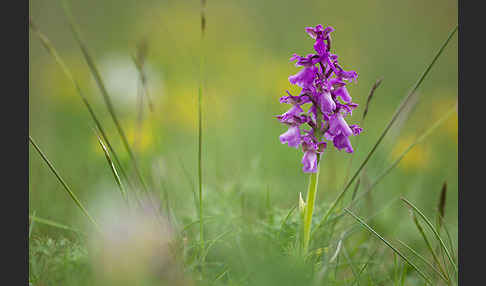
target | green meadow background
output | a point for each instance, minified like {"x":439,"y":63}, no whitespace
{"x":247,"y":49}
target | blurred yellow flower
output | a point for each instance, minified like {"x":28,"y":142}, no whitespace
{"x":450,"y":126}
{"x":140,"y":139}
{"x":417,"y":158}
{"x":180,"y":108}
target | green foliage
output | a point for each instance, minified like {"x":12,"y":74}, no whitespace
{"x":250,"y":212}
{"x":59,"y":261}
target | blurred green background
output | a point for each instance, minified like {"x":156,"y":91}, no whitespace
{"x":247,"y":49}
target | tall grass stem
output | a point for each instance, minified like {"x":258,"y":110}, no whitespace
{"x":372,"y":231}
{"x":104,"y":92}
{"x":409,"y":148}
{"x":437,"y":236}
{"x":63,"y":183}
{"x":200,"y":117}
{"x":57,"y":58}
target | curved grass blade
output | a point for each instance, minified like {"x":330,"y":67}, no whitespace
{"x":437,"y":236}
{"x":191,"y":183}
{"x":104,"y":92}
{"x":57,"y":58}
{"x":31,"y":226}
{"x":113,"y":169}
{"x":402,"y":155}
{"x":365,"y":112}
{"x":63,"y":183}
{"x":367,"y":227}
{"x":212,"y":242}
{"x":53,"y":223}
{"x":364,"y":267}
{"x":449,"y":239}
{"x":199,"y":111}
{"x":427,"y":242}
{"x":139,"y":61}
{"x":387,"y":128}
{"x":425,"y":261}
{"x":284,"y":222}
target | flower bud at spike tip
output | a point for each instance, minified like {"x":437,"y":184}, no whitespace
{"x":301,"y":203}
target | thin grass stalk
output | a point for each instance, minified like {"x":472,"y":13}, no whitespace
{"x":57,"y":58}
{"x":429,"y":245}
{"x":356,"y":188}
{"x":361,"y":123}
{"x":113,"y":169}
{"x":142,"y":89}
{"x":449,"y":239}
{"x":191,"y":183}
{"x":437,"y":236}
{"x":419,"y":139}
{"x":354,"y":228}
{"x":48,"y":222}
{"x":139,"y":61}
{"x":63,"y":183}
{"x":387,"y":128}
{"x":94,"y":70}
{"x":139,"y":123}
{"x":364,"y":267}
{"x":354,"y":271}
{"x":200,"y":116}
{"x":213,"y":241}
{"x":309,"y":206}
{"x":31,"y":225}
{"x":284,"y":221}
{"x":372,"y":231}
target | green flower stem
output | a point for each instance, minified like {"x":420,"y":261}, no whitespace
{"x":309,"y":205}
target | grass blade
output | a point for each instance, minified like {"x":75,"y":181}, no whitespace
{"x":31,"y":226}
{"x":104,"y":92}
{"x":410,"y":147}
{"x":364,"y":267}
{"x":112,"y":167}
{"x":199,"y":127}
{"x":284,"y":221}
{"x":191,"y":183}
{"x":437,"y":236}
{"x":427,"y":242}
{"x":365,"y":112}
{"x":370,"y":96}
{"x":387,"y":128}
{"x":57,"y":58}
{"x":52,"y":223}
{"x":424,"y":261}
{"x":139,"y":61}
{"x":63,"y":183}
{"x":389,"y":245}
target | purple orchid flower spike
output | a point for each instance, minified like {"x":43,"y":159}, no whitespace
{"x":323,"y":82}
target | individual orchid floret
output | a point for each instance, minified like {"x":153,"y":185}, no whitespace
{"x":341,"y":141}
{"x":311,"y":149}
{"x":291,"y":137}
{"x":337,"y":125}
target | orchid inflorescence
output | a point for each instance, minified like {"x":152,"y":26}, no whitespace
{"x":321,"y":86}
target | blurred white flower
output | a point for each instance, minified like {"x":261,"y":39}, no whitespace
{"x":121,"y":79}
{"x":134,"y":247}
